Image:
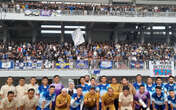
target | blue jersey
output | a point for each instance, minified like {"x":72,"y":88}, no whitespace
{"x":137,"y":86}
{"x":76,"y":104}
{"x":159,"y":100}
{"x":42,"y":89}
{"x":45,"y":96}
{"x":102,"y":88}
{"x":172,"y":101}
{"x":162,"y":87}
{"x":168,"y":87}
{"x":150,"y":88}
{"x":85,"y":88}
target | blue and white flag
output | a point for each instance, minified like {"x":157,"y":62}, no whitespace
{"x":7,"y":65}
{"x":96,"y":71}
{"x":82,"y":64}
{"x":106,"y":64}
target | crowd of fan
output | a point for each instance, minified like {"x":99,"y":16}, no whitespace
{"x":56,"y":51}
{"x":85,"y":8}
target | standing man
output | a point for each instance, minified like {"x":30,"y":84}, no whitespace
{"x":116,"y":88}
{"x":102,"y":88}
{"x":159,"y":82}
{"x":91,"y":100}
{"x":7,"y":87}
{"x":125,"y":83}
{"x":58,"y":87}
{"x":125,"y":99}
{"x":159,"y":99}
{"x":33,"y":85}
{"x":44,"y":87}
{"x":57,"y":84}
{"x":9,"y":103}
{"x":63,"y":100}
{"x":87,"y":79}
{"x":83,"y":85}
{"x":142,"y":99}
{"x":108,"y":100}
{"x":77,"y":100}
{"x":170,"y":85}
{"x":46,"y":99}
{"x":21,"y":90}
{"x":138,"y":82}
{"x":29,"y":101}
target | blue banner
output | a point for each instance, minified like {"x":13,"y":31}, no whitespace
{"x":82,"y":64}
{"x":6,"y":65}
{"x":136,"y":64}
{"x":62,"y":65}
{"x":106,"y":64}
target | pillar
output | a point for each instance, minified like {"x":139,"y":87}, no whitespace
{"x":62,"y":32}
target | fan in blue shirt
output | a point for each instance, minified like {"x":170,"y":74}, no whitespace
{"x":159,"y":100}
{"x":46,"y":99}
{"x":139,"y":82}
{"x":171,"y":100}
{"x":77,"y":100}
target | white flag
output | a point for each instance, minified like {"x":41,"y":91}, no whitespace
{"x":77,"y":37}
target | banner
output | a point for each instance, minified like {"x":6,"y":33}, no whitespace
{"x":45,"y":13}
{"x":20,"y":65}
{"x":62,"y":65}
{"x":6,"y":65}
{"x":48,"y":64}
{"x":82,"y":64}
{"x":161,"y":68}
{"x":106,"y":64}
{"x":136,"y":64}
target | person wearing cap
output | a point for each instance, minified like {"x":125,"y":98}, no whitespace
{"x":46,"y":99}
{"x":91,"y":100}
{"x":159,"y":99}
{"x":63,"y":100}
{"x":171,"y":98}
{"x":108,"y":99}
{"x":125,"y":99}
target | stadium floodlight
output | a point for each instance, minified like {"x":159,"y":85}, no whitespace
{"x":51,"y":26}
{"x":70,"y":32}
{"x":74,"y":27}
{"x":57,"y":32}
{"x":158,"y":27}
{"x":50,"y":31}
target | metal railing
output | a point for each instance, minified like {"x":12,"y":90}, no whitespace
{"x":98,"y":13}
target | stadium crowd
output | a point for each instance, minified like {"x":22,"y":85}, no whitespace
{"x":97,"y":9}
{"x":89,"y":94}
{"x":95,"y":51}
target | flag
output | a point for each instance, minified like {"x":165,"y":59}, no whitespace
{"x":77,"y":37}
{"x":106,"y":64}
{"x":96,"y":71}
